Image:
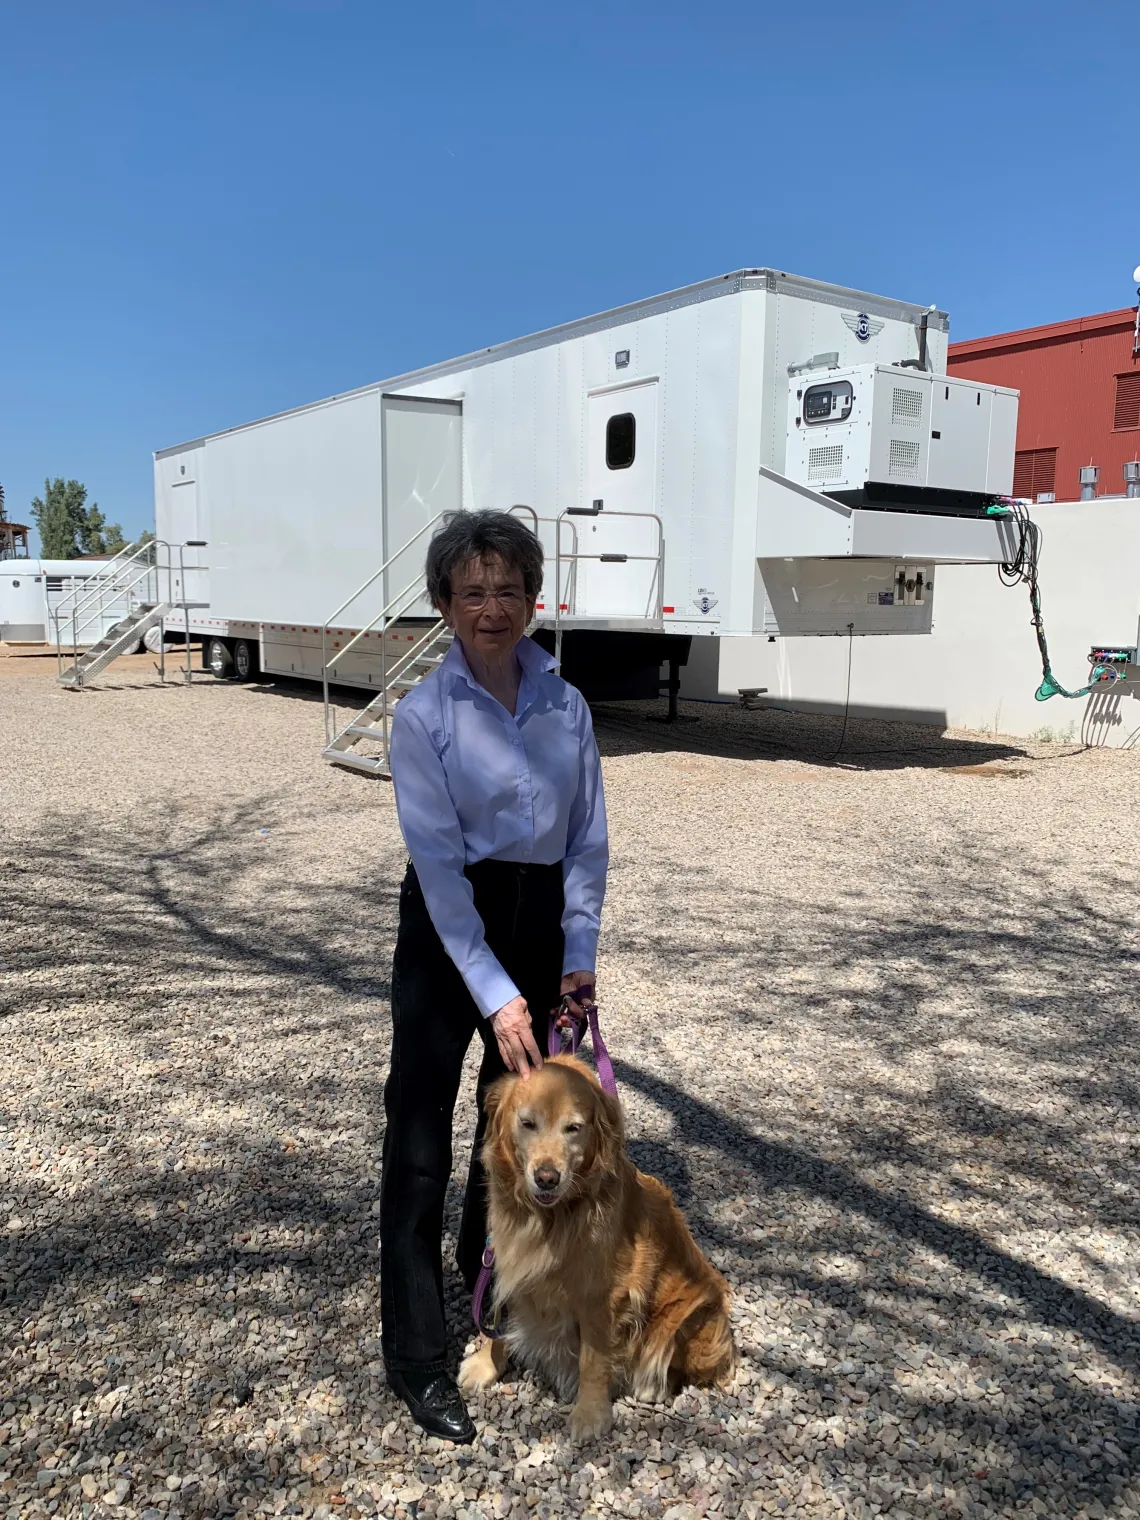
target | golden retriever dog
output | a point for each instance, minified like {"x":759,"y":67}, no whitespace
{"x":604,"y":1286}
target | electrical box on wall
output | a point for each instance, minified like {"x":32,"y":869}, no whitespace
{"x":850,"y":430}
{"x":822,"y":596}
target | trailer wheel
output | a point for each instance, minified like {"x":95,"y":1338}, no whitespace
{"x":219,"y":660}
{"x":245,"y":659}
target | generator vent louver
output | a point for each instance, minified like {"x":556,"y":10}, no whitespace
{"x":825,"y":463}
{"x":904,"y":459}
{"x":906,"y":407}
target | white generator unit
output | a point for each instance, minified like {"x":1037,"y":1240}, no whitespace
{"x":757,"y":454}
{"x":873,"y":433}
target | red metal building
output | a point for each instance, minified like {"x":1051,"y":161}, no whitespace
{"x":1080,"y":399}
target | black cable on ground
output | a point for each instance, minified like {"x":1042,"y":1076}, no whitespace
{"x":847,"y":699}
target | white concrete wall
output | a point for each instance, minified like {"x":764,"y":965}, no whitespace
{"x":979,"y":668}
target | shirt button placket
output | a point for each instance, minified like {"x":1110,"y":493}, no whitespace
{"x":526,"y":816}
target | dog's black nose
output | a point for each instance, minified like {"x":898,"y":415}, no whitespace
{"x":547,"y":1177}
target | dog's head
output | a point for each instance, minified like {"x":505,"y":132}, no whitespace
{"x":554,"y":1137}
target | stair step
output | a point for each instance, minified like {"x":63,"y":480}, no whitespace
{"x":362,"y":731}
{"x":374,"y":765}
{"x":113,"y":643}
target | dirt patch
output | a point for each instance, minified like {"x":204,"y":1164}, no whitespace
{"x":1010,"y":772}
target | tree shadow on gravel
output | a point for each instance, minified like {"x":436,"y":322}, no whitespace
{"x":1015,"y":1003}
{"x":193,"y":1184}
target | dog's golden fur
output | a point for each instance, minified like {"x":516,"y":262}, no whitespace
{"x":604,"y":1286}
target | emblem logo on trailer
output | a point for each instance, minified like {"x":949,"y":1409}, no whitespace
{"x":704,"y":601}
{"x":863,"y":326}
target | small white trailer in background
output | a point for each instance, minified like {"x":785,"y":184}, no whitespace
{"x":758,"y":454}
{"x":36,"y":595}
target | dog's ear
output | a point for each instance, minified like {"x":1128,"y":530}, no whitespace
{"x":609,"y":1129}
{"x":497,"y":1107}
{"x":493,"y":1101}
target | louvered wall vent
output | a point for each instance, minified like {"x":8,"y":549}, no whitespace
{"x":1034,"y":473}
{"x":904,"y":459}
{"x":825,"y":463}
{"x":906,"y":407}
{"x":1126,"y":413}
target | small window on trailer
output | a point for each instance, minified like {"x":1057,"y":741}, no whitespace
{"x":621,"y":441}
{"x":1034,"y":472}
{"x":1126,"y":413}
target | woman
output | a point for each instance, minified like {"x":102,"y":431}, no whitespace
{"x":499,"y":795}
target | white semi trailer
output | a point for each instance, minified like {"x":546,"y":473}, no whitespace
{"x":755,"y":454}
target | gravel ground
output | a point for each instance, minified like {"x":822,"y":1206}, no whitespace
{"x":875,"y":1023}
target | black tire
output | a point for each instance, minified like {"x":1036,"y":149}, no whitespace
{"x":245,"y":660}
{"x":218,"y":658}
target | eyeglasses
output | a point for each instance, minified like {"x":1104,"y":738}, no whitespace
{"x":474,"y":601}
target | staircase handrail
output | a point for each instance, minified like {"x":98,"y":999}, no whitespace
{"x":391,"y":560}
{"x":390,"y":675}
{"x":387,"y":614}
{"x":109,"y":572}
{"x":575,"y":557}
{"x":121,"y":587}
{"x":410,"y":656}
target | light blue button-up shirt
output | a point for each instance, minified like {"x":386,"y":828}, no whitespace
{"x":474,"y":782}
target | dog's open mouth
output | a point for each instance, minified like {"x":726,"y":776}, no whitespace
{"x":547,"y":1196}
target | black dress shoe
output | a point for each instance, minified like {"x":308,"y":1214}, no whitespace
{"x":436,"y":1404}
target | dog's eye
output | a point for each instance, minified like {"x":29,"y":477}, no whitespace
{"x":572,"y":1129}
{"x":528,"y":1124}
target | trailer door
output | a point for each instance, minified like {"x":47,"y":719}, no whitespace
{"x":622,"y":477}
{"x":423,"y":476}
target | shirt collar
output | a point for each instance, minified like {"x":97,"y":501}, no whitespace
{"x":532,"y":658}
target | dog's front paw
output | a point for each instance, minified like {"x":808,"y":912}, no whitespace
{"x":589,"y":1422}
{"x":483,"y":1367}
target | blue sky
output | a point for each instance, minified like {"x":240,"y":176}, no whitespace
{"x":213,"y":211}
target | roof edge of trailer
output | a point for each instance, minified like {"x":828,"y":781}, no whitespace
{"x":775,"y":280}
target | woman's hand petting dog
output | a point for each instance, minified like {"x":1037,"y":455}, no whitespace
{"x":515,"y":1038}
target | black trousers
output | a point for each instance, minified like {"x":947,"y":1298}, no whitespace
{"x":433,"y":1020}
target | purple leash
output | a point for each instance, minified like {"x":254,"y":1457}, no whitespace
{"x":605,"y":1077}
{"x":601,"y":1054}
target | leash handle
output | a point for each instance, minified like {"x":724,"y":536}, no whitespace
{"x":601,"y":1054}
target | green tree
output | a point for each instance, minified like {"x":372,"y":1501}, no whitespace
{"x":58,"y":514}
{"x":89,"y":532}
{"x":69,"y":527}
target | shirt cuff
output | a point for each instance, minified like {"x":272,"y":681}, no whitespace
{"x":581,"y":952}
{"x":491,"y":988}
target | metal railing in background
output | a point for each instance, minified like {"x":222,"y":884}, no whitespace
{"x":656,"y":618}
{"x":393,"y":609}
{"x":133,"y":579}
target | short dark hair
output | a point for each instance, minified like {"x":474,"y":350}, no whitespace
{"x":464,"y":536}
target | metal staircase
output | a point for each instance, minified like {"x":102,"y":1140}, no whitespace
{"x":131,"y":580}
{"x":371,"y":726}
{"x":122,"y":638}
